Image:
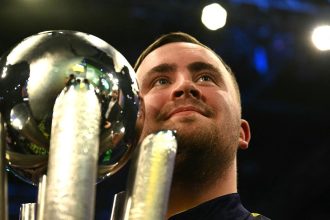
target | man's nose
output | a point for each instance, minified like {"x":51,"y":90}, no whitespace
{"x":186,"y":88}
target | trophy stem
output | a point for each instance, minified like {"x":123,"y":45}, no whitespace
{"x":28,"y":211}
{"x":150,"y":178}
{"x":41,"y":197}
{"x":118,"y":206}
{"x":3,"y":175}
{"x":74,"y":146}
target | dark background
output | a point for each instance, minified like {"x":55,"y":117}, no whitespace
{"x":285,"y":172}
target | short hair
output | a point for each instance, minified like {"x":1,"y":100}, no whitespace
{"x":175,"y":37}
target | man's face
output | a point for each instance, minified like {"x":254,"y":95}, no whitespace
{"x":185,"y":87}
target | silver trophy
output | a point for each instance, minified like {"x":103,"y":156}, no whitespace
{"x":69,"y":103}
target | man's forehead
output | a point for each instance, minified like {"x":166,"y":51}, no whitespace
{"x":179,"y":52}
{"x":168,"y":50}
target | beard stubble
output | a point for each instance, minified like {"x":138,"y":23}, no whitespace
{"x":203,"y":158}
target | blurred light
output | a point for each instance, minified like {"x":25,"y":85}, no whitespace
{"x":115,"y":87}
{"x":214,"y":16}
{"x":4,"y":72}
{"x":260,"y":60}
{"x":78,"y":68}
{"x":105,"y":84}
{"x":321,"y":37}
{"x":17,"y":123}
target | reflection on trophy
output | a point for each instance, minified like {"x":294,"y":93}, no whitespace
{"x":69,"y":103}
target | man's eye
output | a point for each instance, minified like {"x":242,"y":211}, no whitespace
{"x":161,"y":81}
{"x":205,"y":78}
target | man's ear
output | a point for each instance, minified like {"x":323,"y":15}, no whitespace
{"x":245,"y":135}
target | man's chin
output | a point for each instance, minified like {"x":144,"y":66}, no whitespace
{"x":190,"y":127}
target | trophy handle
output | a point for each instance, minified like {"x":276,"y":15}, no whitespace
{"x":41,"y":197}
{"x":74,"y":145}
{"x":28,"y":211}
{"x":3,"y":174}
{"x":150,"y":178}
{"x":118,"y":206}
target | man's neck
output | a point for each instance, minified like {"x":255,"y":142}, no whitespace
{"x":183,"y":197}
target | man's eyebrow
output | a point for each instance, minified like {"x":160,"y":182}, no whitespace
{"x":199,"y":66}
{"x":162,"y":68}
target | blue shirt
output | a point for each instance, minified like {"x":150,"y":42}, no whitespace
{"x":228,"y":207}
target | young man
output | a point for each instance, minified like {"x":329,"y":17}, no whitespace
{"x":185,"y":86}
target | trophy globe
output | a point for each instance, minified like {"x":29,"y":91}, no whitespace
{"x":33,"y":76}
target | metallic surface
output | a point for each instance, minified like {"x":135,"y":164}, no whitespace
{"x":32,"y":75}
{"x":41,"y":197}
{"x":118,"y":206}
{"x":28,"y":211}
{"x":3,"y":175}
{"x":72,"y":166}
{"x":150,"y":178}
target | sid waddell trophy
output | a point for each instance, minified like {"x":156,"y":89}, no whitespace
{"x":69,"y":103}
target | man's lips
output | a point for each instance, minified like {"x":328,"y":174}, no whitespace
{"x":184,"y":109}
{"x":184,"y":105}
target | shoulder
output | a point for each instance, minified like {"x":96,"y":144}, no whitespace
{"x":257,"y":216}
